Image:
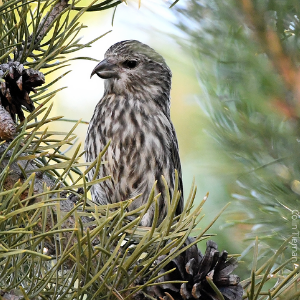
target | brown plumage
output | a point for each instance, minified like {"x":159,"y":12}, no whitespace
{"x":134,"y":113}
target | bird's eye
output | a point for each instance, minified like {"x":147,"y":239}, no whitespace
{"x":130,"y":64}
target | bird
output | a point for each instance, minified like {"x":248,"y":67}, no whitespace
{"x":134,"y":115}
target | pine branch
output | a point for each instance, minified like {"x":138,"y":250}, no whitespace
{"x":273,"y":46}
{"x":7,"y":126}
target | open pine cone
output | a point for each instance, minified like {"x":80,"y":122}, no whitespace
{"x":193,"y":267}
{"x":15,"y":85}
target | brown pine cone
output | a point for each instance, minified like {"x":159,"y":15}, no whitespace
{"x":16,"y":83}
{"x":194,"y":267}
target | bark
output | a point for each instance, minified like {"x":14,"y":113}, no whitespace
{"x":7,"y":125}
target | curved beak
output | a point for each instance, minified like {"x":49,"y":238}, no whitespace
{"x":106,"y":70}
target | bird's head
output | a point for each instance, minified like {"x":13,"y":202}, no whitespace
{"x":134,"y":69}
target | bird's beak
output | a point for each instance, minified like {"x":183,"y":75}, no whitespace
{"x":106,"y":70}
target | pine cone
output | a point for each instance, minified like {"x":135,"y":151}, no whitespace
{"x":193,"y":267}
{"x":15,"y":85}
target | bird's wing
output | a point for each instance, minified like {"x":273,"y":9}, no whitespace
{"x":177,"y":166}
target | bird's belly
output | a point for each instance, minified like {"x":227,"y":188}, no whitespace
{"x":135,"y":160}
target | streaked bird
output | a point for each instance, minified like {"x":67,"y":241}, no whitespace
{"x":134,"y":113}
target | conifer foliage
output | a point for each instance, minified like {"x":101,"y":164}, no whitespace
{"x":246,"y":55}
{"x":247,"y":59}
